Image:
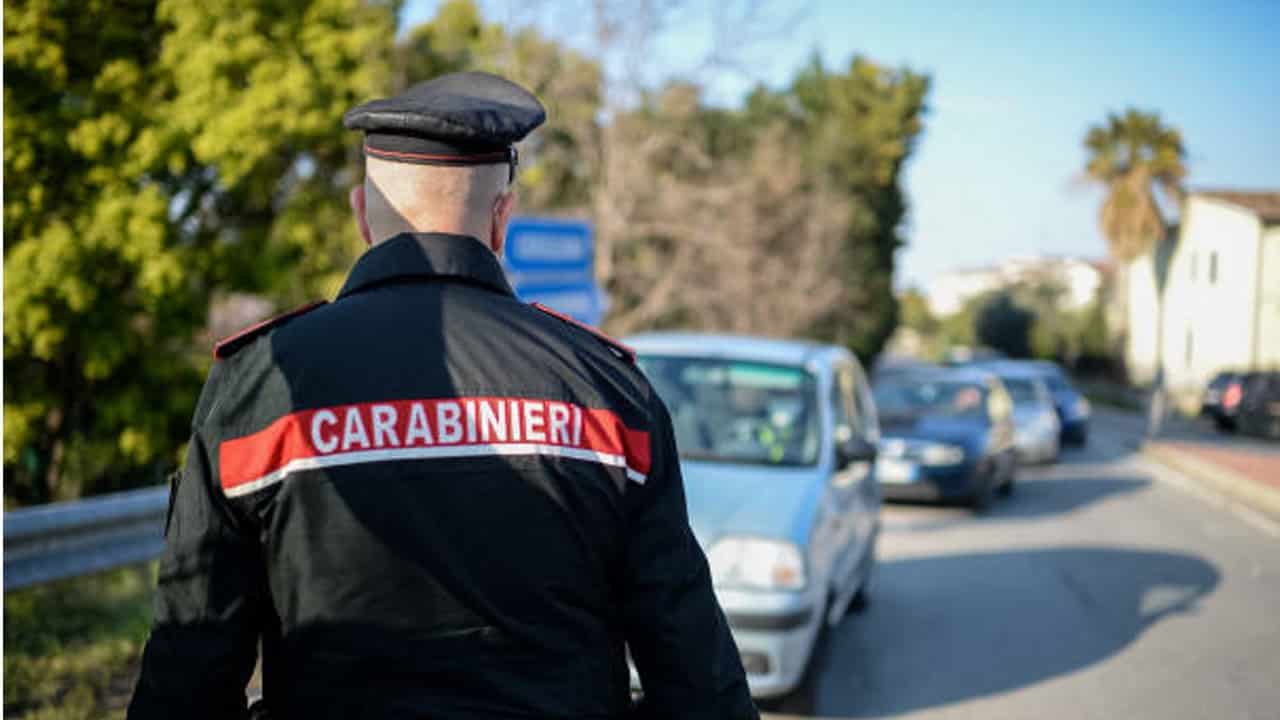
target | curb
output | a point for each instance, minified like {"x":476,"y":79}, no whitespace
{"x":1226,"y":482}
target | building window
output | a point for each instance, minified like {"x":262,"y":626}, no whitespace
{"x":1188,"y":348}
{"x":1213,"y":267}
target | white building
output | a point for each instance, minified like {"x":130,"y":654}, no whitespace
{"x":1222,"y":292}
{"x":1079,"y":278}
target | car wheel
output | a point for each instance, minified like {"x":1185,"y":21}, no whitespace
{"x":862,"y":598}
{"x":1006,"y":489}
{"x":980,"y":499}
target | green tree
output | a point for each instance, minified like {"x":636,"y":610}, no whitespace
{"x":157,"y":154}
{"x":913,"y":312}
{"x":1004,"y":325}
{"x":862,"y":125}
{"x":958,"y":329}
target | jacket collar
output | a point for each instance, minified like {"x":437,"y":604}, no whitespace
{"x":427,"y":256}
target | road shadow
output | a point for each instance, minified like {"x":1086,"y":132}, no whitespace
{"x":946,"y":629}
{"x":1033,"y":499}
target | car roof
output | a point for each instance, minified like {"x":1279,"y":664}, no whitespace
{"x":744,"y":347}
{"x":1016,"y":369}
{"x":1048,"y":366}
{"x":961,"y":373}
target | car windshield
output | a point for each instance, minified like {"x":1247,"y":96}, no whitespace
{"x":1056,"y":383}
{"x":738,"y":411}
{"x":1021,"y":390}
{"x":915,"y":396}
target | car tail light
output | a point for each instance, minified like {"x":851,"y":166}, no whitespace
{"x":1232,"y":396}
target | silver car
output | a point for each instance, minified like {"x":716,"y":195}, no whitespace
{"x":1037,"y":430}
{"x":777,"y":443}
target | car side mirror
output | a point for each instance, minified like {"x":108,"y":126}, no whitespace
{"x":851,"y":448}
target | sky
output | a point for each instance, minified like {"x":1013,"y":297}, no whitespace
{"x":1016,"y":85}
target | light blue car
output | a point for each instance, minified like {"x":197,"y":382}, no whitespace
{"x":777,"y":442}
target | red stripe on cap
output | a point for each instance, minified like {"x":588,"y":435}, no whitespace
{"x":494,"y":157}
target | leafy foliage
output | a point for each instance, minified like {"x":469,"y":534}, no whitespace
{"x":860,"y":127}
{"x":1028,"y":318}
{"x":1004,"y":325}
{"x":1136,"y":156}
{"x":779,"y":218}
{"x":156,"y":152}
{"x":72,"y":648}
{"x":1133,"y":155}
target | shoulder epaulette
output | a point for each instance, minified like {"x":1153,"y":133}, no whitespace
{"x":228,"y":346}
{"x":620,"y":349}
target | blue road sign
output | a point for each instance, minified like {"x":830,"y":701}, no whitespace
{"x":551,"y":261}
{"x":584,"y":303}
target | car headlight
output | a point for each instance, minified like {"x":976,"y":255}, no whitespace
{"x":940,"y":454}
{"x":757,"y":564}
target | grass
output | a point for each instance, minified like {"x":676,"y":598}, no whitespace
{"x":72,"y":648}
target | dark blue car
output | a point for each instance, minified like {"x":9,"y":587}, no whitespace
{"x":1073,"y":409}
{"x":945,"y":435}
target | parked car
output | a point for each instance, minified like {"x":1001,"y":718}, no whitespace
{"x":1259,"y":412}
{"x":1036,"y":429}
{"x":946,"y":435}
{"x":777,"y":442}
{"x":1221,"y":400}
{"x":1072,"y":406}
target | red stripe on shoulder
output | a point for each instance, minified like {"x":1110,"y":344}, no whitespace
{"x":227,"y":346}
{"x":622,"y":349}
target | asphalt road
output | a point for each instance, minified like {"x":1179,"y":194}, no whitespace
{"x":1106,"y":587}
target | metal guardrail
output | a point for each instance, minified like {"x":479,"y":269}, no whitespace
{"x":63,"y":540}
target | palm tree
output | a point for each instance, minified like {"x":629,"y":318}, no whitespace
{"x":1134,"y":156}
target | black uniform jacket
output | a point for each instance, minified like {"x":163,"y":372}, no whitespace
{"x":427,"y":499}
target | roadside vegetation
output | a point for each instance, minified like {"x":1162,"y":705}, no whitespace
{"x":1023,"y":320}
{"x":72,"y":648}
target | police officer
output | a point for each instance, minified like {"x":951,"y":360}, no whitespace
{"x":426,"y":498}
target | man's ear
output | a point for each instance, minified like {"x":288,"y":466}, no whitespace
{"x":503,"y":209}
{"x":358,"y":209}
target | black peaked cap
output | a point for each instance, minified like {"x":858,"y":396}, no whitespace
{"x":468,"y":117}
